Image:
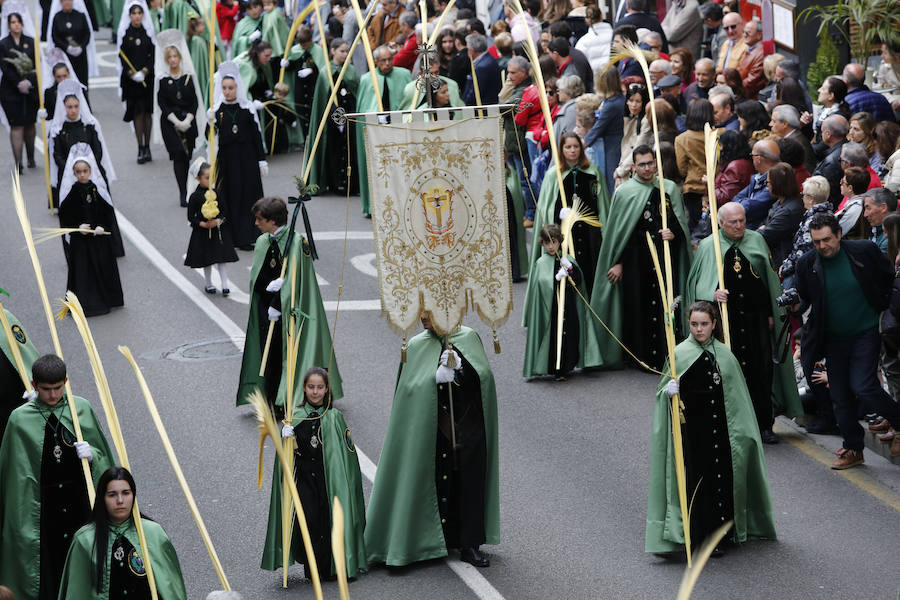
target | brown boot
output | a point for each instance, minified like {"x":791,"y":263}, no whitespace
{"x":895,"y":446}
{"x":850,"y":458}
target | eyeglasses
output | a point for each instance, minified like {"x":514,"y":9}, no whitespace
{"x":551,"y":92}
{"x":645,"y":165}
{"x":730,"y":27}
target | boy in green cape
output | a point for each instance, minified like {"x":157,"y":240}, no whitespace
{"x":724,"y":462}
{"x":43,"y":496}
{"x":11,"y":385}
{"x":427,"y":496}
{"x":248,"y":29}
{"x":270,"y":296}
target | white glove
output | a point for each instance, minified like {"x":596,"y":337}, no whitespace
{"x":74,"y":51}
{"x":284,"y":63}
{"x":565,"y":210}
{"x":83,"y":450}
{"x":444,"y":374}
{"x":138,"y":77}
{"x":210,"y":115}
{"x":98,"y":230}
{"x":275,"y":285}
{"x":263,"y":168}
{"x":383,"y":119}
{"x":303,"y":73}
{"x":445,"y":356}
{"x":274,"y":315}
{"x":188,"y":119}
{"x":258,"y":106}
{"x":42,"y":113}
{"x":287,"y":431}
{"x":183,"y":126}
{"x":255,"y":35}
{"x":173,"y":119}
{"x":86,"y":226}
{"x":562,"y":274}
{"x":672,"y":387}
{"x":565,"y":263}
{"x":24,"y":86}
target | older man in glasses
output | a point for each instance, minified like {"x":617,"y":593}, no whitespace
{"x":732,"y":49}
{"x":751,"y":63}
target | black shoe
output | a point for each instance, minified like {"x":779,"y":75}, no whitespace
{"x":210,"y":289}
{"x":147,"y":156}
{"x":183,"y":202}
{"x":718,"y":552}
{"x":140,"y":157}
{"x":821,"y":428}
{"x":225,"y":291}
{"x":768,"y":437}
{"x":474,"y":557}
{"x":31,"y":164}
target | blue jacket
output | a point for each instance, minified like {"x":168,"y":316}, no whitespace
{"x":488,"y":74}
{"x":756,"y":200}
{"x":862,"y":99}
{"x":605,"y":137}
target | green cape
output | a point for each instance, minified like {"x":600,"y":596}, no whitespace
{"x":199,"y":49}
{"x":240,"y":41}
{"x":20,"y":496}
{"x":320,"y":98}
{"x":77,"y":580}
{"x":176,"y":15}
{"x":115,"y":13}
{"x":315,"y":339}
{"x":275,"y":31}
{"x":514,"y":185}
{"x":410,"y":90}
{"x":538,"y":312}
{"x":752,"y":504}
{"x":367,"y":102}
{"x":26,"y":348}
{"x":342,"y":479}
{"x":543,"y":214}
{"x":102,"y":12}
{"x":249,"y":75}
{"x":703,"y":280}
{"x":295,"y":134}
{"x":404,"y":524}
{"x":606,"y":299}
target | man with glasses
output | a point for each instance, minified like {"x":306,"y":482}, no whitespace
{"x":626,"y":293}
{"x":834,"y":135}
{"x":732,"y":50}
{"x":756,"y":197}
{"x":751,"y":64}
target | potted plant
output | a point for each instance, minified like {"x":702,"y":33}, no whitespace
{"x":874,"y":21}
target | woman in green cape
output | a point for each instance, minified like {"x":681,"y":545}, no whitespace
{"x":579,"y":348}
{"x":105,"y":559}
{"x":584,"y":179}
{"x":724,"y":462}
{"x":325,"y":467}
{"x":337,"y":145}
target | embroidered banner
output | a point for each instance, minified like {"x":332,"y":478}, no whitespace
{"x":438,"y":202}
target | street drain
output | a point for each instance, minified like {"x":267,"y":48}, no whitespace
{"x":205,"y":350}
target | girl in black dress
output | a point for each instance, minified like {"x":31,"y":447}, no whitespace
{"x":18,"y":86}
{"x":238,"y":142}
{"x":70,"y":30}
{"x":137,"y":41}
{"x":210,"y":242}
{"x":179,"y":101}
{"x":85,"y":204}
{"x":59,"y":73}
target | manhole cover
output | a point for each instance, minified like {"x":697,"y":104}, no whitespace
{"x":205,"y":350}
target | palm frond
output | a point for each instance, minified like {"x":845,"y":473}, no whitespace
{"x":579,"y":212}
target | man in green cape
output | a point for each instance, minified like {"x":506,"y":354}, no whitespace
{"x":515,"y":211}
{"x":626,"y":295}
{"x":274,"y":28}
{"x":540,"y":311}
{"x":11,"y":384}
{"x":305,"y":62}
{"x":427,"y":497}
{"x":80,"y":569}
{"x":329,"y":164}
{"x":43,"y":495}
{"x":342,"y":480}
{"x":587,"y":182}
{"x":751,"y":287}
{"x":391,"y":83}
{"x":720,"y":438}
{"x":256,"y":79}
{"x":247,"y":29}
{"x":269,"y":298}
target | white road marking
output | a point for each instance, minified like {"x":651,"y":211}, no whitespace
{"x":363,"y":264}
{"x":321,"y":280}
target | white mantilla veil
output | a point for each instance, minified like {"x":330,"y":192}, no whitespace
{"x":71,"y":87}
{"x":174,"y":38}
{"x":82,"y":152}
{"x":193,"y":172}
{"x":91,"y":50}
{"x":124,"y":23}
{"x":50,"y":57}
{"x":20,"y":8}
{"x":229,"y":69}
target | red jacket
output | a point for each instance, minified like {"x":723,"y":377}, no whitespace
{"x":532,"y":118}
{"x":733,"y":179}
{"x":227,"y":18}
{"x":751,"y":70}
{"x":406,"y":56}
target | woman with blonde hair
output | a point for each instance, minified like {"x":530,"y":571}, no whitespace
{"x":605,"y":136}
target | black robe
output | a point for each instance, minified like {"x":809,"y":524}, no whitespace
{"x":707,"y":448}
{"x":586,"y":239}
{"x":178,"y":97}
{"x":50,"y":100}
{"x":304,"y":88}
{"x":512,"y":229}
{"x":269,"y":270}
{"x":341,"y":144}
{"x":71,"y":29}
{"x":239,"y":183}
{"x":20,"y":109}
{"x":127,"y":576}
{"x":309,"y":473}
{"x":571,"y":340}
{"x":748,"y":321}
{"x":460,"y":475}
{"x":207,"y":246}
{"x":93,"y":273}
{"x":138,"y":97}
{"x":642,"y":310}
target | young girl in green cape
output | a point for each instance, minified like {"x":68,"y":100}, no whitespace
{"x":105,"y":559}
{"x":724,"y":463}
{"x":325,"y":467}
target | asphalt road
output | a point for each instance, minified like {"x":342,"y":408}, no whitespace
{"x":574,"y":455}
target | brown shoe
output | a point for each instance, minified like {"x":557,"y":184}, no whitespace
{"x":850,"y":458}
{"x":895,"y":446}
{"x":887,"y":438}
{"x":527,"y":223}
{"x":881,"y":426}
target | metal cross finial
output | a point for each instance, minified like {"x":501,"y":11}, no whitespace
{"x":338,"y":116}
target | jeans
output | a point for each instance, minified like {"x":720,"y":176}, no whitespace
{"x":515,"y":162}
{"x":852,"y":379}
